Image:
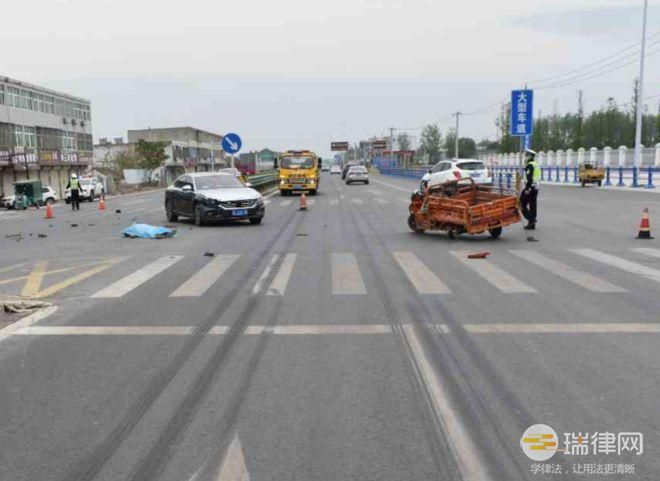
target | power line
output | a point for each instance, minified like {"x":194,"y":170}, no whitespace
{"x":608,"y":57}
{"x":598,"y":74}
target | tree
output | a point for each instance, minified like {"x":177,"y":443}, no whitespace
{"x":151,"y":155}
{"x":430,"y":142}
{"x":403,"y":140}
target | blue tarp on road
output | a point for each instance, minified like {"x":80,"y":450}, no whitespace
{"x":146,"y":231}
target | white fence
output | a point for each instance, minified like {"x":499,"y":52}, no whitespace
{"x":607,"y":157}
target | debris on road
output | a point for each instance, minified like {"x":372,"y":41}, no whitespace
{"x":42,"y":236}
{"x":209,"y":254}
{"x":479,"y":255}
{"x":73,"y":225}
{"x":146,"y":231}
{"x":11,"y":236}
{"x":21,"y":305}
{"x":118,"y":211}
{"x":532,"y":239}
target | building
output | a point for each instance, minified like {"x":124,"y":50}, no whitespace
{"x":44,"y":135}
{"x":187,"y":149}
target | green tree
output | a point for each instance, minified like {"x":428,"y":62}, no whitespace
{"x":431,"y":142}
{"x":403,"y":141}
{"x":508,"y":143}
{"x":151,"y":155}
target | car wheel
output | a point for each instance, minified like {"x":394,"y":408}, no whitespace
{"x":312,"y":192}
{"x":366,"y":182}
{"x":255,"y":220}
{"x":412,"y":223}
{"x":600,"y":183}
{"x":199,"y":216}
{"x":91,"y":196}
{"x":171,"y":216}
{"x":495,"y":233}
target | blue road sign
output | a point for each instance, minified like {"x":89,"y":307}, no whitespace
{"x":522,"y":112}
{"x":231,"y":143}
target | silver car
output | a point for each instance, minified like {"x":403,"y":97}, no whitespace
{"x":357,"y":173}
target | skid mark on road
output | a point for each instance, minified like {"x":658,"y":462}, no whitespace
{"x":281,"y":280}
{"x":203,"y":279}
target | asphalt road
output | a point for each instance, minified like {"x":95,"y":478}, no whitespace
{"x":332,"y":344}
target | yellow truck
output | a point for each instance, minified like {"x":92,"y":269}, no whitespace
{"x":298,"y":171}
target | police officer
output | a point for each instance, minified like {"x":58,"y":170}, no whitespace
{"x":74,"y":185}
{"x":530,"y":192}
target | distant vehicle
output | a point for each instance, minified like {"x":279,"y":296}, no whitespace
{"x":457,"y":169}
{"x":48,"y":196}
{"x":325,"y":168}
{"x":344,"y":171}
{"x":90,"y":189}
{"x":207,"y":196}
{"x":591,"y":174}
{"x":357,"y":173}
{"x":335,"y":169}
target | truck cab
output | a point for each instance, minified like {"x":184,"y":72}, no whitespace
{"x":298,"y":171}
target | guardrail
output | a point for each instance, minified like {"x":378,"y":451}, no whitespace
{"x":263,"y":180}
{"x":409,"y":173}
{"x":614,"y":176}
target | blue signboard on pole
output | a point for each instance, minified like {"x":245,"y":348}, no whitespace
{"x":522,"y":112}
{"x":231,"y":143}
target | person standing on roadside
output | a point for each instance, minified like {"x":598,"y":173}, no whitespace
{"x":530,"y":192}
{"x":74,"y":185}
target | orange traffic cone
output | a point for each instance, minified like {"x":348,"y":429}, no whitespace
{"x":49,"y":211}
{"x":101,"y":203}
{"x":645,"y":226}
{"x":303,"y":202}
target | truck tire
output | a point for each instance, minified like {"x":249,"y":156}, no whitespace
{"x":412,"y":223}
{"x":584,"y":183}
{"x":495,"y":233}
{"x":198,"y":213}
{"x":171,"y":216}
{"x":600,"y":183}
{"x":312,"y":192}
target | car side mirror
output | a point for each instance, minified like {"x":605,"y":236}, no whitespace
{"x":248,"y":184}
{"x":187,"y":188}
{"x":275,"y":163}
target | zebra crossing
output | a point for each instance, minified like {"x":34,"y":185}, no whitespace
{"x":349,"y":278}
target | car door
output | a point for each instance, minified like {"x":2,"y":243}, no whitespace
{"x":439,"y":173}
{"x":186,"y":195}
{"x":173,"y":194}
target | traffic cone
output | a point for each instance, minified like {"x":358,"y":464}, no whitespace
{"x":303,"y":202}
{"x":101,"y":203}
{"x":645,"y":226}
{"x":49,"y":211}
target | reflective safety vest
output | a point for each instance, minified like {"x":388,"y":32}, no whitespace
{"x":536,"y":176}
{"x":74,"y":184}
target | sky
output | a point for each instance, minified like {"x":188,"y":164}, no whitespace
{"x":302,"y":73}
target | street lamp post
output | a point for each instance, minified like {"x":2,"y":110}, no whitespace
{"x":637,"y":161}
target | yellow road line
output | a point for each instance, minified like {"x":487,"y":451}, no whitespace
{"x":33,"y":282}
{"x":77,"y":278}
{"x":9,"y":268}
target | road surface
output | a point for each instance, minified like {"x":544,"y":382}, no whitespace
{"x":332,"y":344}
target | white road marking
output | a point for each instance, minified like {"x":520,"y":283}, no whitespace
{"x":357,"y":201}
{"x":137,"y":278}
{"x":576,"y":328}
{"x":233,"y":466}
{"x":497,"y":276}
{"x":311,"y":202}
{"x":26,"y":322}
{"x":296,"y":330}
{"x":374,"y":191}
{"x":464,"y":448}
{"x":409,"y":191}
{"x":208,"y":275}
{"x":106,"y":331}
{"x":281,"y":280}
{"x":286,"y":202}
{"x":583,"y":279}
{"x":619,"y":263}
{"x":380,"y":200}
{"x":424,"y":280}
{"x":264,"y":275}
{"x":647,"y":251}
{"x":346,"y":277}
{"x":342,"y":196}
{"x":334,"y":201}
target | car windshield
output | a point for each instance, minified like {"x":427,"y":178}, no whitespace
{"x":297,"y":162}
{"x":359,"y":170}
{"x":471,"y":165}
{"x":217,"y":182}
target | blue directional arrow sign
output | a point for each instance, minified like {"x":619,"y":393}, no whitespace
{"x":231,"y":143}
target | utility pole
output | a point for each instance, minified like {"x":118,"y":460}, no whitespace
{"x":392,"y":142}
{"x":458,"y":116}
{"x":637,"y":159}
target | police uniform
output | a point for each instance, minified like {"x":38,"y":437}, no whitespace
{"x":530,"y":193}
{"x":74,"y":185}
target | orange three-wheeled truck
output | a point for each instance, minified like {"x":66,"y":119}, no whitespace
{"x":461,"y":206}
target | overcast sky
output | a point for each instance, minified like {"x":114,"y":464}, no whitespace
{"x":300,"y":73}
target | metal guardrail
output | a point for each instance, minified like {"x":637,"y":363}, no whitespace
{"x":263,"y":180}
{"x":614,"y":176}
{"x":409,"y":173}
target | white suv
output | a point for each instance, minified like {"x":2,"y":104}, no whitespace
{"x":457,"y":169}
{"x":90,"y":189}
